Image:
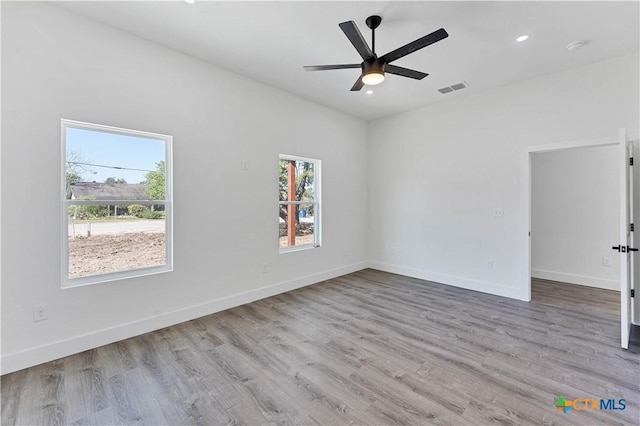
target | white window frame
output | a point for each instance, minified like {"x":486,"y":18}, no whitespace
{"x":317,"y":208}
{"x":168,"y":207}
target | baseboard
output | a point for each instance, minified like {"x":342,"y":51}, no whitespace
{"x":38,"y":355}
{"x":481,"y":286}
{"x":576,"y":279}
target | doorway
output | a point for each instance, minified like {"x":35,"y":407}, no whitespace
{"x":564,"y":146}
{"x":574,"y":219}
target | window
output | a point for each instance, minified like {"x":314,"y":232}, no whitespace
{"x":116,"y":192}
{"x":299,"y":209}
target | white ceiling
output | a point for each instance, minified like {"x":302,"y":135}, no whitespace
{"x":271,"y":41}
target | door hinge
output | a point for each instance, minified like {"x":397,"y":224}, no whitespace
{"x":631,"y":161}
{"x":631,"y":227}
{"x":633,"y":293}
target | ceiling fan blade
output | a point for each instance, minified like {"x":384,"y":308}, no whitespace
{"x":330,"y":67}
{"x":358,"y":85}
{"x":355,"y":37}
{"x":415,"y":45}
{"x":405,"y":72}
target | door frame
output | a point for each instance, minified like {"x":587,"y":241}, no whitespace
{"x":627,"y":237}
{"x":526,"y":161}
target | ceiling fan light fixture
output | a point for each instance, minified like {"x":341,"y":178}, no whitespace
{"x":373,"y":78}
{"x":372,"y":72}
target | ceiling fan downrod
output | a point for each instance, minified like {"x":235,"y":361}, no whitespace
{"x":373,"y":22}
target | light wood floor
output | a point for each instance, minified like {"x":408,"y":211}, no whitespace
{"x":367,"y":348}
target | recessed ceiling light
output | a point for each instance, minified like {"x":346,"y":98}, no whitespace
{"x":190,"y":1}
{"x":369,"y":92}
{"x":523,"y":37}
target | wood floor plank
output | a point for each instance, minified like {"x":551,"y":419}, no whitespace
{"x":43,"y":398}
{"x":363,"y":349}
{"x":13,"y":384}
{"x":104,"y":417}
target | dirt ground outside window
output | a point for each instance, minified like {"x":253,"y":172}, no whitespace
{"x":100,"y":254}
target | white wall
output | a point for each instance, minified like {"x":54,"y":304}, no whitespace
{"x":575,"y":216}
{"x":438,"y":173}
{"x":57,"y":65}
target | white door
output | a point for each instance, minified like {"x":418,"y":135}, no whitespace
{"x":626,"y":239}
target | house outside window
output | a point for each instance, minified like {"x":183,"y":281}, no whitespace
{"x":299,"y":203}
{"x":117,"y":203}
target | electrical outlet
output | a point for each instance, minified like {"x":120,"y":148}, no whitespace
{"x":40,"y":313}
{"x":265,"y":267}
{"x":606,"y":261}
{"x":499,"y":212}
{"x":489,"y":264}
{"x":245,"y":165}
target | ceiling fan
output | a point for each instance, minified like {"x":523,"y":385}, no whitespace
{"x":374,"y":67}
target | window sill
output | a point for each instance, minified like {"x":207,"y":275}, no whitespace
{"x":298,"y":248}
{"x":113,"y":276}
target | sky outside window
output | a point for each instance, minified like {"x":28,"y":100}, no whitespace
{"x":99,"y":149}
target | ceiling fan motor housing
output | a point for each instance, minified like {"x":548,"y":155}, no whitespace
{"x":374,"y":65}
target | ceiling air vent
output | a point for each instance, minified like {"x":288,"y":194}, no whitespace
{"x":453,"y":87}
